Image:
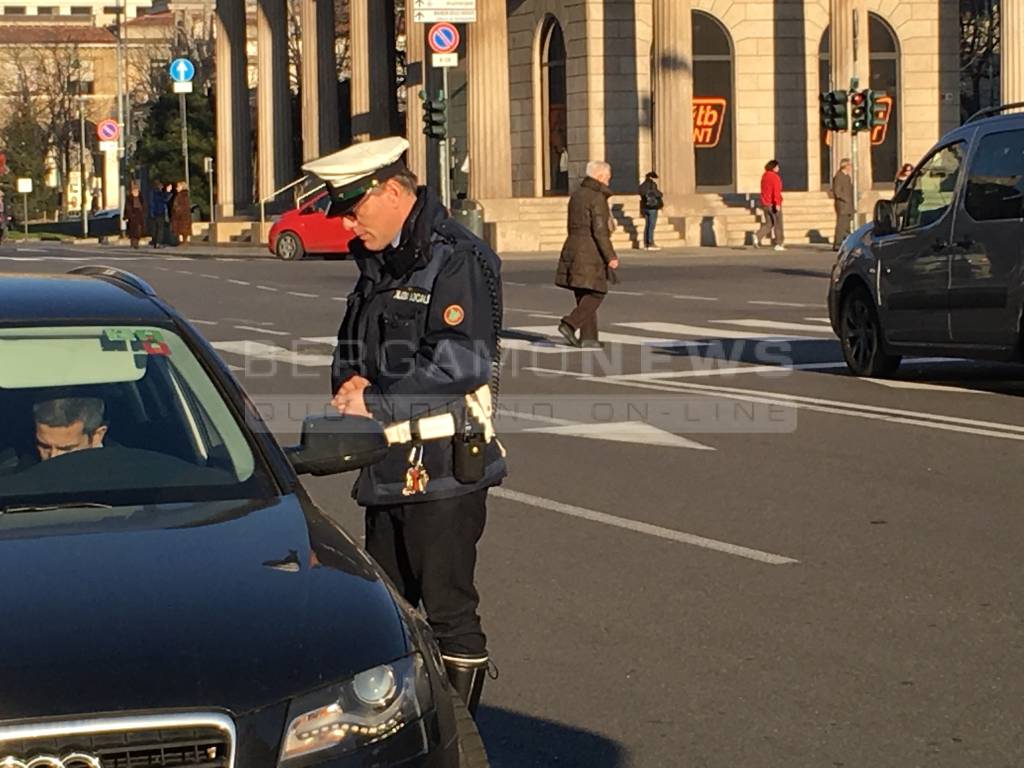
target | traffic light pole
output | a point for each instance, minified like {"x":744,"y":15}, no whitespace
{"x":854,"y":84}
{"x":444,"y":150}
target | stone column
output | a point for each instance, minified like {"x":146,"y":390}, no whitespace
{"x":234,"y":185}
{"x":672,"y":81}
{"x":489,"y":109}
{"x":371,"y":80}
{"x":840,"y":46}
{"x":274,"y":115}
{"x":319,"y":79}
{"x":416,"y":81}
{"x":1011,"y":44}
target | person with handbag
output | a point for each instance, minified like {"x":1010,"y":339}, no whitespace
{"x":651,"y":201}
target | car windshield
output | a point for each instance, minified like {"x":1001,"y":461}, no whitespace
{"x":121,"y":415}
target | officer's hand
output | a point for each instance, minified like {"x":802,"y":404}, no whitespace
{"x":349,"y":398}
{"x":613,"y":264}
{"x":354,"y":384}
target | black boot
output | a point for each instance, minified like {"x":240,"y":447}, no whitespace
{"x":467,"y":674}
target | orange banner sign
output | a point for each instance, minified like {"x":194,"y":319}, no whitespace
{"x":708,"y":119}
{"x":878,"y":132}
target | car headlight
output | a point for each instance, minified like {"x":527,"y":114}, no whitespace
{"x":369,"y":708}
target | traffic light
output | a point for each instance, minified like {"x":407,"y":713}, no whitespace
{"x":833,"y":110}
{"x":859,"y":120}
{"x":878,"y":105}
{"x":435,"y":119}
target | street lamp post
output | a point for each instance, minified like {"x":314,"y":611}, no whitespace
{"x":81,"y":155}
{"x":121,"y":160}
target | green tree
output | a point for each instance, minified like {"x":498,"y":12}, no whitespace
{"x":26,"y":144}
{"x":159,"y":145}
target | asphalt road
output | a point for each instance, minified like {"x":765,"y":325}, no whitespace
{"x":715,"y":547}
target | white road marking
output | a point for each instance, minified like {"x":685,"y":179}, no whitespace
{"x":701,"y":332}
{"x":637,"y":432}
{"x":819,"y":320}
{"x":794,"y":304}
{"x":925,"y":386}
{"x":184,"y":272}
{"x":518,"y":285}
{"x":239,"y":282}
{"x":553,"y":338}
{"x":693,"y":298}
{"x":267,"y":288}
{"x":327,"y":340}
{"x":203,"y":322}
{"x":617,"y":292}
{"x":638,"y":527}
{"x":302,"y":295}
{"x":211,"y":277}
{"x":270,"y":352}
{"x":31,"y":250}
{"x":542,"y":316}
{"x":835,"y":407}
{"x":339,"y":298}
{"x":774,"y":325}
{"x":261,"y":330}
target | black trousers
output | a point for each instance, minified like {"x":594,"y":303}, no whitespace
{"x":428,"y":549}
{"x":584,"y":317}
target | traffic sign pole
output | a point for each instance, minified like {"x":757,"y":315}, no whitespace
{"x":445,"y":150}
{"x":184,"y":134}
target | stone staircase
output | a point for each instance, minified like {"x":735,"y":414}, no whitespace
{"x":539,"y":224}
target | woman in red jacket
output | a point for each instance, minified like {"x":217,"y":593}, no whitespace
{"x":771,"y":204}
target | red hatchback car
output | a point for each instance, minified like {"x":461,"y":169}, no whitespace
{"x":308,"y":230}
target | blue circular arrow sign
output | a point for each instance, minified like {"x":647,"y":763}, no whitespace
{"x":182,"y":70}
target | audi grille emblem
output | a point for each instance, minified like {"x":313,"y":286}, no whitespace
{"x":73,"y":760}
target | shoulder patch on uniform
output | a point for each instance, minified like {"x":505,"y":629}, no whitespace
{"x":454,"y":314}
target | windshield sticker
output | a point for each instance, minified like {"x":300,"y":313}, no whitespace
{"x":145,"y":342}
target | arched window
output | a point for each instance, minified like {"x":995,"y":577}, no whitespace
{"x":554,"y":111}
{"x":714,"y":146}
{"x":885,"y":76}
{"x":824,"y":85}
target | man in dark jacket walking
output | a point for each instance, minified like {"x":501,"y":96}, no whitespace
{"x":651,"y":202}
{"x":158,"y":215}
{"x":842,"y":192}
{"x":418,"y":351}
{"x":588,"y":258}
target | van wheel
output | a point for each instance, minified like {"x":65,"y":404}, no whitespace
{"x":471,"y":747}
{"x":289,"y":247}
{"x":861,"y":337}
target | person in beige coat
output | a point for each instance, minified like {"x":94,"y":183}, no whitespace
{"x":588,"y":258}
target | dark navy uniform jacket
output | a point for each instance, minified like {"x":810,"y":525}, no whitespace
{"x":422,"y":325}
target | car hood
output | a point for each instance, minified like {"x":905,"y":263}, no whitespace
{"x":233,"y":605}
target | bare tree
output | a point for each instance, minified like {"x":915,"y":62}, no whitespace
{"x":979,"y":55}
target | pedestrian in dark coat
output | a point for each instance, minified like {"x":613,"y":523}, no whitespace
{"x":842,"y":192}
{"x":169,"y":193}
{"x":158,"y":215}
{"x":134,"y":215}
{"x":651,"y":202}
{"x":588,"y":258}
{"x":181,"y":214}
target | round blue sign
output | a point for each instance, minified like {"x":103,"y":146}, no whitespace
{"x":182,"y":70}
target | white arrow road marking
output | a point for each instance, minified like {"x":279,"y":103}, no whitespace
{"x":638,"y":527}
{"x":619,"y":431}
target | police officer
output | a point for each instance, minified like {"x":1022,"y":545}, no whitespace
{"x":418,"y":351}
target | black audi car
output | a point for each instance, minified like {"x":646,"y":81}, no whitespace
{"x":171,"y":596}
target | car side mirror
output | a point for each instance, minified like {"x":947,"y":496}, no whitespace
{"x":885,"y":218}
{"x":333,"y":444}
